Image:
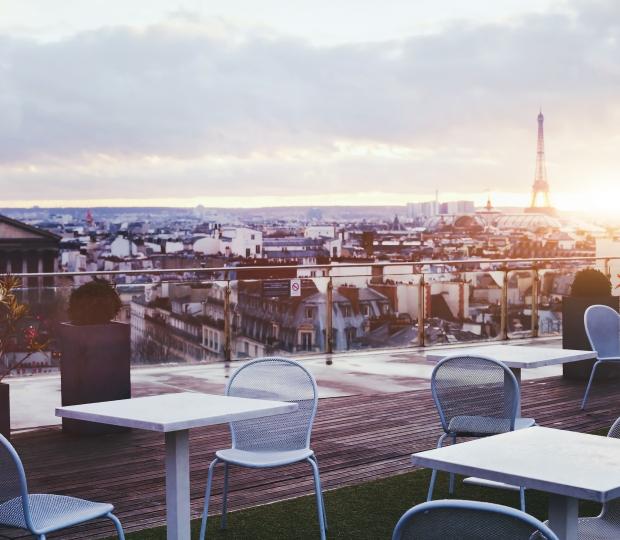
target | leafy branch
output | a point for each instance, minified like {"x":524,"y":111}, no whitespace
{"x":13,"y":314}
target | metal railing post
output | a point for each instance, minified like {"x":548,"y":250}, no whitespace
{"x":227,"y":324}
{"x":329,"y":331}
{"x":504,"y":307}
{"x":421,"y":311}
{"x":535,"y":294}
{"x":607,"y":264}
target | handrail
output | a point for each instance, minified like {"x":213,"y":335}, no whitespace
{"x":327,"y":266}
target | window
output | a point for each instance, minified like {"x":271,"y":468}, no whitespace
{"x":247,"y":252}
{"x":309,"y":313}
{"x":365,"y":310}
{"x":350,"y":335}
{"x":257,"y":248}
{"x":306,"y":341}
{"x":346,"y":311}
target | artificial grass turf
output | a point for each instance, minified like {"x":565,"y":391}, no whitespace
{"x":368,"y":511}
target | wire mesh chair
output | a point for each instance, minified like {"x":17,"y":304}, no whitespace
{"x":475,"y":396}
{"x":41,"y":514}
{"x":603,"y":330}
{"x":605,"y":526}
{"x":468,"y":520}
{"x":271,"y":441}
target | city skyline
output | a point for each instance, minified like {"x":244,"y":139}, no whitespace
{"x":225,"y":107}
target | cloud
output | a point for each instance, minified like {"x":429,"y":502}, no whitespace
{"x":210,"y":108}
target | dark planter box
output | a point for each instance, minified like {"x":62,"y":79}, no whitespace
{"x":574,"y":336}
{"x":5,"y":410}
{"x":94,"y":367}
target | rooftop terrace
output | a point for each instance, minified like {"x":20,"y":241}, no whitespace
{"x":376,"y":410}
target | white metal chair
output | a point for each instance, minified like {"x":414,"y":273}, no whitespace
{"x":468,"y":520}
{"x":38,"y":513}
{"x":603,"y":330}
{"x":271,"y":441}
{"x":475,"y":396}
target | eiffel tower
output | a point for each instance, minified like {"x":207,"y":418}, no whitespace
{"x":540,"y":188}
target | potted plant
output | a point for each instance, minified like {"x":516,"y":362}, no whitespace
{"x":94,"y":365}
{"x":589,"y":287}
{"x":18,"y":342}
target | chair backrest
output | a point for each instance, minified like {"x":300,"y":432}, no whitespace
{"x":13,"y":486}
{"x":278,"y":379}
{"x":603,"y":329}
{"x":468,"y":520}
{"x":611,"y":509}
{"x":475,"y":386}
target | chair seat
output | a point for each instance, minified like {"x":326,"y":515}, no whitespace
{"x":51,"y":512}
{"x":481,"y":426}
{"x":247,"y":458}
{"x":596,"y":528}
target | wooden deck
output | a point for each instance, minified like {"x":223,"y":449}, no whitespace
{"x":357,"y":439}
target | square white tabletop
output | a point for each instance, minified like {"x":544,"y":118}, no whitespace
{"x":577,"y":465}
{"x":174,"y":412}
{"x":517,"y":356}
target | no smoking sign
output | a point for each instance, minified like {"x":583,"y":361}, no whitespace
{"x":295,"y":287}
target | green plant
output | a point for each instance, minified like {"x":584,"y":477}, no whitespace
{"x":16,"y":336}
{"x":95,"y":302}
{"x":591,"y":282}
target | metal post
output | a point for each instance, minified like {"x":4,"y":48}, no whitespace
{"x":421,"y":310}
{"x":607,"y":268}
{"x":535,"y":293}
{"x":227,"y":323}
{"x":329,"y":334}
{"x":504,"y":307}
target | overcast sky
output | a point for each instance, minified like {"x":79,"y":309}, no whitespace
{"x":244,"y":103}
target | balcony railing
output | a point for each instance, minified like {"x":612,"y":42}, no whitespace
{"x":224,"y":313}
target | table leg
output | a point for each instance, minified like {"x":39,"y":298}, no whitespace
{"x":177,"y":485}
{"x":563,"y":514}
{"x":517,"y":373}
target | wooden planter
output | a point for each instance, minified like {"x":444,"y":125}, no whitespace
{"x":94,"y":367}
{"x":5,"y":410}
{"x":574,"y":336}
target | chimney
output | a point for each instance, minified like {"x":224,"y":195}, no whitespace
{"x":352,"y":294}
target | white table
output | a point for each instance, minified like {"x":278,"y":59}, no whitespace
{"x":567,"y":465}
{"x":174,"y":415}
{"x":517,"y":357}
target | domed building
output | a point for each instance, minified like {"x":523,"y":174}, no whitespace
{"x":526,"y":222}
{"x":456,"y":222}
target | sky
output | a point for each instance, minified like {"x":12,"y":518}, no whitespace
{"x":244,"y":103}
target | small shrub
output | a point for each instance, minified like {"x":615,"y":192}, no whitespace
{"x":591,"y":282}
{"x":96,"y":302}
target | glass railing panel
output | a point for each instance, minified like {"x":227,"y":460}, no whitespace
{"x":554,"y":285}
{"x":519,"y":307}
{"x":210,"y":315}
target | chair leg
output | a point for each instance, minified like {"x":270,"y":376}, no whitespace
{"x":117,"y":524}
{"x":205,"y":512}
{"x":225,"y":498}
{"x":319,"y":496}
{"x":431,"y":486}
{"x":451,"y":485}
{"x":585,"y":397}
{"x":522,"y":498}
{"x":322,"y":497}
